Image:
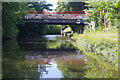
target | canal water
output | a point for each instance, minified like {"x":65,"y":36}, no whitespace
{"x":51,"y":56}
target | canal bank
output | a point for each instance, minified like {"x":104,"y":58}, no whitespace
{"x":99,"y":45}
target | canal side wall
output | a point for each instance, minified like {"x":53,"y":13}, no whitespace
{"x":101,"y":47}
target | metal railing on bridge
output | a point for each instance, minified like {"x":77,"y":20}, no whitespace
{"x":56,"y":12}
{"x":56,"y":15}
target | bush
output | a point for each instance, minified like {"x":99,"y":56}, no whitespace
{"x":106,"y":48}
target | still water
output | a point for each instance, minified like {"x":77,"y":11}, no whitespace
{"x":51,"y":56}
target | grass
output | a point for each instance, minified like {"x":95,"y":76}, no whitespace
{"x":100,"y":43}
{"x":103,"y":35}
{"x":100,"y":36}
{"x":103,"y":61}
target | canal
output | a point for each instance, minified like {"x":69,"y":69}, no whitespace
{"x":51,"y":56}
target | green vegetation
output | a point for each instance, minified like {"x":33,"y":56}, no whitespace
{"x":104,"y":14}
{"x":12,"y":18}
{"x":99,"y":45}
{"x":72,"y":6}
{"x":53,"y":29}
{"x":94,"y":67}
{"x":32,"y":30}
{"x":101,"y":42}
{"x":99,"y":35}
{"x":104,"y":40}
{"x":39,"y":43}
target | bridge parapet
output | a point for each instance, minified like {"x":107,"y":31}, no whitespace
{"x":56,"y":15}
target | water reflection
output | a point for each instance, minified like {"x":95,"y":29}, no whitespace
{"x":44,"y":58}
{"x":33,"y":44}
{"x":51,"y":37}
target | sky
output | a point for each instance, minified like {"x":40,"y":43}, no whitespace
{"x":54,"y":2}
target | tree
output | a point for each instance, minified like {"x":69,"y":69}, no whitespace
{"x":13,"y":13}
{"x":103,"y":13}
{"x":63,"y":6}
{"x":72,"y":6}
{"x":11,"y":16}
{"x":40,"y":6}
